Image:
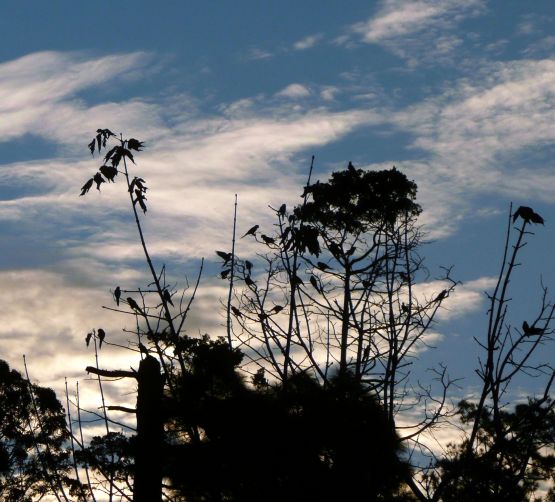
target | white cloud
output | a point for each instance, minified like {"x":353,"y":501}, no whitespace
{"x":294,"y":91}
{"x":307,"y":42}
{"x":397,"y":18}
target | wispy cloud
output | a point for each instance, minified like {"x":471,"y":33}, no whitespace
{"x":397,"y":18}
{"x":416,"y":30}
{"x":307,"y":42}
{"x":294,"y":91}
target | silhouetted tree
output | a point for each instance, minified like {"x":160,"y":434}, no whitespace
{"x":34,"y":457}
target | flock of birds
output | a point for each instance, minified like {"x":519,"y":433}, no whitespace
{"x":527,"y":214}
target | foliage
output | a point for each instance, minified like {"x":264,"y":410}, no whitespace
{"x":34,"y":459}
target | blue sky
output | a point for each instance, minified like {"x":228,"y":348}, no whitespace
{"x":234,"y":97}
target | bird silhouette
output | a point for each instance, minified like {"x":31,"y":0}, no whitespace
{"x":134,"y":305}
{"x":249,"y":281}
{"x":167,"y":297}
{"x":251,"y":231}
{"x":405,"y":308}
{"x":248,"y":265}
{"x":225,"y":273}
{"x":86,"y":187}
{"x":531,"y":330}
{"x":322,"y":266}
{"x":528,"y":215}
{"x":236,"y":311}
{"x":404,"y":277}
{"x":296,"y":280}
{"x":282,"y":209}
{"x":441,"y":296}
{"x":267,"y":240}
{"x":117,"y":295}
{"x":101,"y":336}
{"x":277,"y":309}
{"x":88,"y":338}
{"x":226,"y":257}
{"x":315,"y":284}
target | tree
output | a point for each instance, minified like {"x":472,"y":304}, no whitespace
{"x":328,"y":322}
{"x":34,"y":458}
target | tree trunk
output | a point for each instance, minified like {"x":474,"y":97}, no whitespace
{"x":148,"y":472}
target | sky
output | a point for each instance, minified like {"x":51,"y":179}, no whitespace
{"x":234,"y":98}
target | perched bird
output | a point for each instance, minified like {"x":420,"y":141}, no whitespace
{"x":404,"y":277}
{"x":134,"y":305}
{"x":225,"y":273}
{"x":248,"y":265}
{"x":442,"y":295}
{"x":267,"y":240}
{"x":296,"y":280}
{"x":167,"y":297}
{"x":226,"y":257}
{"x":350,"y":166}
{"x":86,"y":187}
{"x":351,"y":251}
{"x":528,"y":215}
{"x":405,"y":308}
{"x":236,"y":311}
{"x":249,"y":281}
{"x":282,"y":209}
{"x":322,"y":266}
{"x":101,"y":336}
{"x":117,"y":295}
{"x":314,"y":283}
{"x":277,"y":309}
{"x":531,"y":330}
{"x":88,"y":338}
{"x":251,"y":231}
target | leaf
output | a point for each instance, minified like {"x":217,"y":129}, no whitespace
{"x":98,"y":179}
{"x":109,"y":172}
{"x":91,"y":146}
{"x":86,"y":187}
{"x":135,"y":144}
{"x":128,"y":154}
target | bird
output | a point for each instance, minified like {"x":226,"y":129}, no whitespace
{"x":441,"y":296}
{"x":531,"y":330}
{"x":350,"y":166}
{"x":226,"y":257}
{"x":404,"y":277}
{"x":267,"y":240}
{"x":86,"y":187}
{"x":322,"y":266}
{"x":248,"y":265}
{"x":167,"y":297}
{"x":251,"y":231}
{"x":134,"y":305}
{"x":249,"y":281}
{"x":314,"y":283}
{"x":296,"y":280}
{"x":282,"y":209}
{"x":528,"y":215}
{"x":88,"y":338}
{"x":101,"y":336}
{"x":225,"y":273}
{"x":405,"y":308}
{"x":277,"y":309}
{"x":236,"y":311}
{"x":117,"y":295}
